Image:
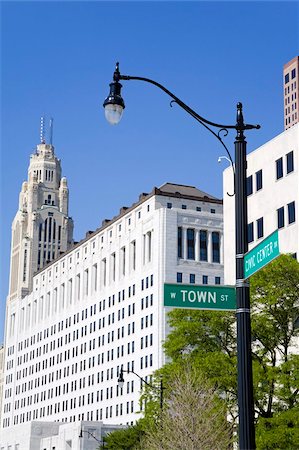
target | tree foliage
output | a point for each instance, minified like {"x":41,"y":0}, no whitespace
{"x":126,"y":439}
{"x":193,"y":416}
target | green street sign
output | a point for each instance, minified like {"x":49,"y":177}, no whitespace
{"x":201,"y":297}
{"x":261,"y":255}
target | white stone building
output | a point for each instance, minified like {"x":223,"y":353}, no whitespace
{"x":273,"y":198}
{"x":99,"y":307}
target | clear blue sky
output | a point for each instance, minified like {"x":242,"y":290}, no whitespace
{"x":58,"y":59}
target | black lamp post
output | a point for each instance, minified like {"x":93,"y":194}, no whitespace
{"x":102,"y":443}
{"x":114,"y":106}
{"x":121,"y":381}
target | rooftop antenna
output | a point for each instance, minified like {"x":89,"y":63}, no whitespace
{"x":51,"y":130}
{"x":42,"y":130}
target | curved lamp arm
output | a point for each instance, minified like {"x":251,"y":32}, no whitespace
{"x":115,"y":98}
{"x":160,"y":389}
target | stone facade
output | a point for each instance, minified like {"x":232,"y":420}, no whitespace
{"x":99,"y":307}
{"x":41,"y":229}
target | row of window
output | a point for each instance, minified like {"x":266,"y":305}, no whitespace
{"x":198,"y":208}
{"x":187,"y":245}
{"x":287,"y":76}
{"x":192,"y":279}
{"x":289,"y":165}
{"x":291,"y":215}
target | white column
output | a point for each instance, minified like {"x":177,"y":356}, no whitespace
{"x":184,"y":242}
{"x":196,"y":243}
{"x":210,"y":248}
{"x":221,"y":247}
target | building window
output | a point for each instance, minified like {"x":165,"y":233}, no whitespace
{"x":204,"y":279}
{"x":279,"y":169}
{"x":286,"y":78}
{"x":180,"y":242}
{"x":217,"y":280}
{"x":250,"y":232}
{"x":190,"y":243}
{"x":213,"y":211}
{"x":260,"y":227}
{"x":280,"y":217}
{"x":216,"y":246}
{"x":198,"y":208}
{"x":179,"y":277}
{"x":169,"y":205}
{"x":184,"y":206}
{"x":192,"y":278}
{"x":291,"y":212}
{"x":249,"y":185}
{"x":259,"y":180}
{"x":290,"y":162}
{"x":203,"y":245}
{"x":293,"y":73}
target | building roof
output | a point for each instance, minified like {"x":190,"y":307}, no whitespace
{"x":182,"y":190}
{"x":167,"y":190}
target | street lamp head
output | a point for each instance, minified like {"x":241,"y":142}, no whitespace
{"x":121,"y":380}
{"x":114,"y":103}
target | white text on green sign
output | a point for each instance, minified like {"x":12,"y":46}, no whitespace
{"x":202,"y":297}
{"x":261,"y":255}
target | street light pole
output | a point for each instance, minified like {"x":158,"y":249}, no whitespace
{"x":114,"y":106}
{"x":245,"y":384}
{"x":121,"y":381}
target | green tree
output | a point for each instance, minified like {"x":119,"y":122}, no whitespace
{"x":210,"y":339}
{"x":126,"y":439}
{"x":193,"y":416}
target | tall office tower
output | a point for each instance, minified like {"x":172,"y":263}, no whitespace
{"x":291,"y":92}
{"x":99,"y":307}
{"x":41,"y":229}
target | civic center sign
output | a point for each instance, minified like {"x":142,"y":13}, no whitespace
{"x":261,"y":255}
{"x":200,"y":297}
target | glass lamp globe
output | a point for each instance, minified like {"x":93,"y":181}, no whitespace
{"x":113,"y":113}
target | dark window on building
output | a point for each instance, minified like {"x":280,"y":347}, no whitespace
{"x":249,"y":185}
{"x":192,"y":278}
{"x":198,"y":208}
{"x":250,"y":232}
{"x":180,"y":241}
{"x":286,"y":78}
{"x":203,"y":245}
{"x":259,"y":180}
{"x":217,"y":280}
{"x":291,"y":212}
{"x":279,"y":169}
{"x":293,"y":73}
{"x":213,"y":211}
{"x":190,"y":243}
{"x":184,"y":206}
{"x":179,"y":277}
{"x":260,"y":227}
{"x":216,"y":246}
{"x":280,"y":217}
{"x":290,"y":162}
{"x":204,"y":279}
{"x":169,"y":205}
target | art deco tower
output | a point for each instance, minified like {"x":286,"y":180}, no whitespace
{"x":41,"y":229}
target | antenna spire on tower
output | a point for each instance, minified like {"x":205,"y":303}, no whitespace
{"x":42,"y":130}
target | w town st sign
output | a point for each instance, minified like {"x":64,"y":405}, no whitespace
{"x":200,"y":297}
